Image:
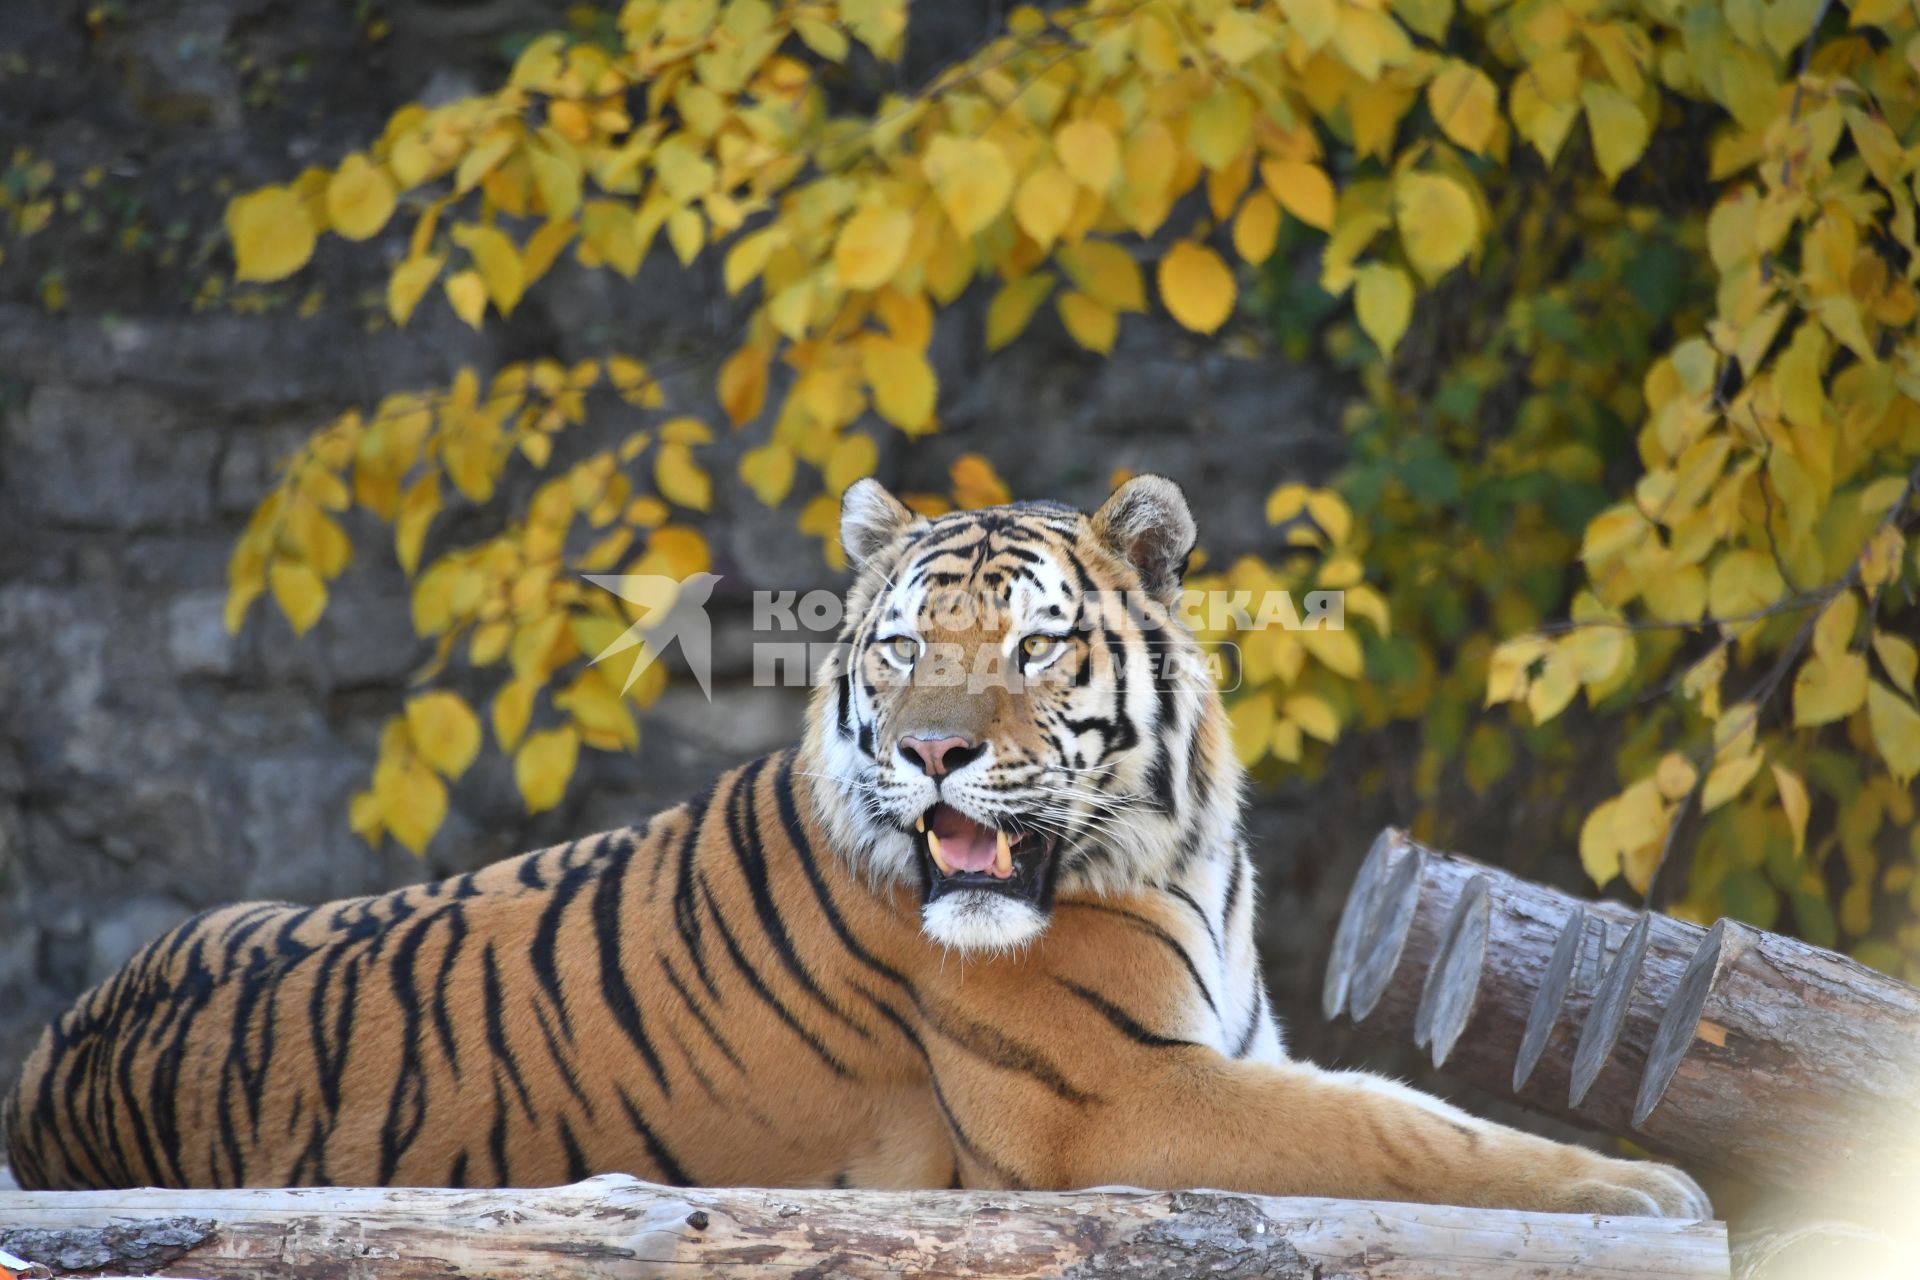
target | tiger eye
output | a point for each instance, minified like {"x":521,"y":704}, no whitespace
{"x":904,"y":649}
{"x":1037,"y":647}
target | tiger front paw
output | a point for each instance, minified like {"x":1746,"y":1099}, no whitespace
{"x":1636,"y":1188}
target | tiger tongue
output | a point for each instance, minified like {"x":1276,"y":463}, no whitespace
{"x":964,"y":843}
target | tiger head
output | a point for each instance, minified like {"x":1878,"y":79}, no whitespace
{"x":1015,"y":708}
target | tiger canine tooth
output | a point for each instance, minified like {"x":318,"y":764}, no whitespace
{"x":1003,"y":856}
{"x":933,"y":847}
{"x":920,"y":823}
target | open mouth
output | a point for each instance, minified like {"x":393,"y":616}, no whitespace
{"x":959,"y":853}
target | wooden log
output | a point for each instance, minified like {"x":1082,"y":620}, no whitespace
{"x":1735,"y":1050}
{"x":1793,"y":1064}
{"x":613,"y":1227}
{"x":1495,"y":976}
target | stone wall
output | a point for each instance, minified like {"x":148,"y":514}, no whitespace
{"x":152,"y":765}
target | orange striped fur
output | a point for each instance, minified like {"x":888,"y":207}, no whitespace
{"x":755,"y":987}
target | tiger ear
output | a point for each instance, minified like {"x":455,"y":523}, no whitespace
{"x":870,"y":519}
{"x":1147,"y":522}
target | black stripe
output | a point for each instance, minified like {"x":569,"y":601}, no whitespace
{"x":743,"y":827}
{"x":797,"y":834}
{"x":542,"y":953}
{"x":1121,"y":1019}
{"x":672,"y":1172}
{"x":493,"y":1004}
{"x":1160,"y":935}
{"x":992,"y":1045}
{"x":614,"y":987}
{"x":759,"y":986}
{"x":699,"y":1015}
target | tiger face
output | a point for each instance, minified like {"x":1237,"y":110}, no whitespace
{"x":1016,"y":709}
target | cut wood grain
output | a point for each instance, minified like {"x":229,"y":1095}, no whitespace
{"x":614,"y":1227}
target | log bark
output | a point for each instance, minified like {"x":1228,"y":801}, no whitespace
{"x":614,"y":1226}
{"x":1733,"y":1049}
{"x":1496,"y":976}
{"x":1792,"y":1062}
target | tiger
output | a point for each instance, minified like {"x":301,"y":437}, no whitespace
{"x":988,"y":924}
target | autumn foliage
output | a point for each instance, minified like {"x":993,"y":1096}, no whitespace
{"x":1626,"y":288}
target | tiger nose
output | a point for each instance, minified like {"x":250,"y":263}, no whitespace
{"x":937,"y":756}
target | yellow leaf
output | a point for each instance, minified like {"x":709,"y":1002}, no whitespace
{"x":1369,"y":41}
{"x":468,"y":294}
{"x":300,"y":593}
{"x":1438,"y":223}
{"x":1314,"y":21}
{"x":1551,"y":691}
{"x":1640,"y":817}
{"x":972,"y":178}
{"x":1090,"y":153}
{"x":1013,"y":306}
{"x":1743,"y":583}
{"x":1257,"y":228}
{"x":512,"y":707}
{"x":1509,"y":669}
{"x":359,"y":198}
{"x":768,"y":471}
{"x":1220,"y":126}
{"x":1599,"y":848}
{"x":412,"y":801}
{"x":543,"y":766}
{"x":1338,"y":651}
{"x":543,"y":247}
{"x":687,"y":430}
{"x":749,"y":257}
{"x":1286,"y":743}
{"x":1196,"y":286}
{"x":1675,"y":775}
{"x":1107,"y":273}
{"x":1728,"y":779}
{"x":680,"y":479}
{"x":1898,"y":656}
{"x":1303,"y":190}
{"x":408,"y":283}
{"x":445,"y":731}
{"x":743,"y":385}
{"x":610,"y":229}
{"x":976,"y":484}
{"x":417,"y":511}
{"x":1794,"y":802}
{"x":1044,"y":204}
{"x":686,"y":232}
{"x":1330,"y":512}
{"x":1383,"y":299}
{"x":1465,"y":104}
{"x":1251,"y":720}
{"x":854,"y":458}
{"x":904,"y":388}
{"x":497,"y":261}
{"x":1315,"y":716}
{"x":1833,"y":630}
{"x":271,"y":233}
{"x":1239,"y":37}
{"x":1092,"y":325}
{"x":556,"y":173}
{"x":1825,"y":690}
{"x":1896,"y":731}
{"x":1880,"y":561}
{"x":871,"y":247}
{"x":1620,"y":132}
